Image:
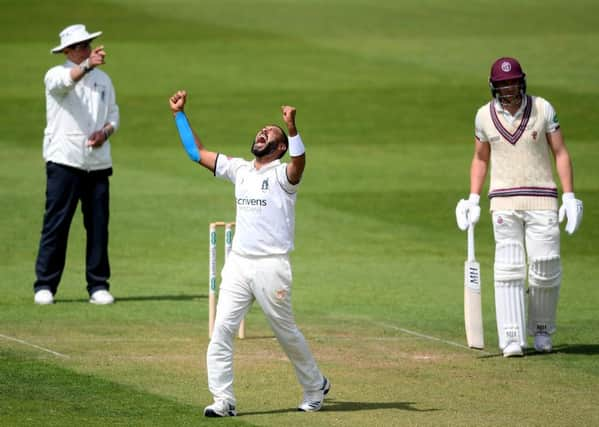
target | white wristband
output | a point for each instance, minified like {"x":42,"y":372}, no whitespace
{"x":296,"y":146}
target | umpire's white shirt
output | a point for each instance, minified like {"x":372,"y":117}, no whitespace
{"x":74,"y":111}
{"x":265,"y":200}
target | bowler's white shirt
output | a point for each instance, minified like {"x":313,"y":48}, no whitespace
{"x":265,"y":200}
{"x":75,"y":110}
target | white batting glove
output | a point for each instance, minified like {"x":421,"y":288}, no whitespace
{"x":467,"y":212}
{"x":572,"y":209}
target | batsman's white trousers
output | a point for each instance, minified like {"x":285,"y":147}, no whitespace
{"x":268,"y":280}
{"x":537,"y":230}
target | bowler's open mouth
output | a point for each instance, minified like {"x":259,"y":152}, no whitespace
{"x":261,"y":138}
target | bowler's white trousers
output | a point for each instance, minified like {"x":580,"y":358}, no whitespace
{"x":268,"y":280}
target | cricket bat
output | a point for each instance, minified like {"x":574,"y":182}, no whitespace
{"x":473,"y":314}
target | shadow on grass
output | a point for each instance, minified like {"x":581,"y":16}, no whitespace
{"x":490,"y":356}
{"x":332,"y":405}
{"x":142,"y":298}
{"x":588,"y":349}
{"x":259,"y":337}
{"x":583,"y":349}
{"x":529,"y":352}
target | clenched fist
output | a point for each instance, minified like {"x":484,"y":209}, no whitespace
{"x":289,"y":118}
{"x":177,"y":101}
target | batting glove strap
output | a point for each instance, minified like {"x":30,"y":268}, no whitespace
{"x":474,"y":199}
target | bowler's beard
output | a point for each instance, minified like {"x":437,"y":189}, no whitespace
{"x":269,"y":148}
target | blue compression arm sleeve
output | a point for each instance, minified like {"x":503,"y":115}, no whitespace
{"x":186,"y":135}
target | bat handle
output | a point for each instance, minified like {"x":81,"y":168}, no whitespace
{"x":471,"y":256}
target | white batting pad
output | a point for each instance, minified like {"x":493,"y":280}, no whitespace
{"x":544,"y":280}
{"x":510,"y":314}
{"x":509,"y":261}
{"x":510,"y":274}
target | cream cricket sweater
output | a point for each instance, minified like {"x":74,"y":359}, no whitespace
{"x":521,"y":159}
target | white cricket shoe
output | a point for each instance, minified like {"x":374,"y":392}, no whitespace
{"x":513,"y":350}
{"x":220,"y":408}
{"x":43,"y":297}
{"x":101,"y":297}
{"x":543,"y":343}
{"x":313,"y":401}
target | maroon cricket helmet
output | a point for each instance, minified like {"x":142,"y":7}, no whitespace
{"x":506,"y":69}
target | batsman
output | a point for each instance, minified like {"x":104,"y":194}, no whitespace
{"x":518,"y":137}
{"x":258,"y":266}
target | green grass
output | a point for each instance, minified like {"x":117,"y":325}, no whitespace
{"x":386,"y":94}
{"x":39,"y":393}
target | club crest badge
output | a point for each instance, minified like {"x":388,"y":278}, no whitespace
{"x":506,"y":67}
{"x":264,"y":187}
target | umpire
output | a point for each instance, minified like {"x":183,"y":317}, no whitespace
{"x":81,"y":115}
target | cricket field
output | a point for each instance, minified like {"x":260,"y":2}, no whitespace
{"x":386,"y":92}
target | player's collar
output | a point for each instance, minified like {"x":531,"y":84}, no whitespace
{"x":267,"y":166}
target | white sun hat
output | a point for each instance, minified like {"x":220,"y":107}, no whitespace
{"x":74,"y":34}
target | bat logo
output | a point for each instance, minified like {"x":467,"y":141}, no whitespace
{"x":473,"y":320}
{"x":474,"y":277}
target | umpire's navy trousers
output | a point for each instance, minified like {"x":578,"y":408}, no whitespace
{"x":64,"y":188}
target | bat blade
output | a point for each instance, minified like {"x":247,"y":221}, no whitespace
{"x":473,"y":315}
